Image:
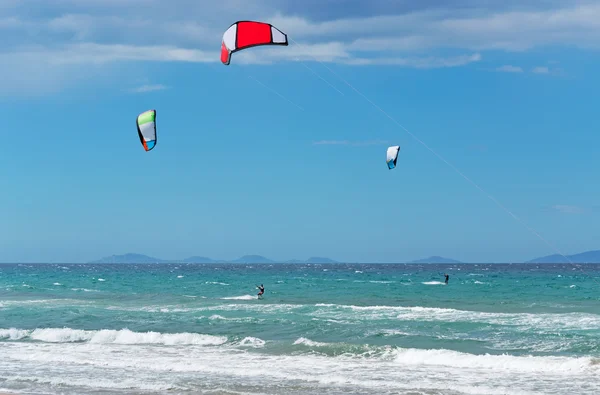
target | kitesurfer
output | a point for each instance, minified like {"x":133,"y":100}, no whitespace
{"x":447,"y":277}
{"x":261,"y":290}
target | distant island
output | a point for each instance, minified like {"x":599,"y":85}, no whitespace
{"x":584,"y":257}
{"x":140,"y":258}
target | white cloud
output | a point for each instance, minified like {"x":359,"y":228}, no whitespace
{"x":352,"y":143}
{"x":93,"y":53}
{"x":510,"y":69}
{"x":42,"y":70}
{"x":69,"y":34}
{"x":101,"y":53}
{"x":540,"y":70}
{"x":474,"y":29}
{"x":535,"y":70}
{"x":568,"y":209}
{"x":149,"y":88}
{"x":419,"y":63}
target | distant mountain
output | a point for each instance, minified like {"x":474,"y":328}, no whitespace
{"x":139,"y":258}
{"x":435,"y":259}
{"x":584,"y":257}
{"x":129,"y":258}
{"x":252,"y":259}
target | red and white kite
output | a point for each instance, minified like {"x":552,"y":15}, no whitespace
{"x":247,"y":34}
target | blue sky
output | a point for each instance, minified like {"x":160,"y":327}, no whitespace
{"x":505,"y":92}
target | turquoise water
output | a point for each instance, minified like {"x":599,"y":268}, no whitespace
{"x":335,"y":329}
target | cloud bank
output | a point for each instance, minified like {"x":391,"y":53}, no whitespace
{"x":64,"y":36}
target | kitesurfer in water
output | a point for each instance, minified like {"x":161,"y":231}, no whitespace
{"x":447,"y":277}
{"x":261,"y":290}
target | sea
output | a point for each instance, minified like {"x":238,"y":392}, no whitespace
{"x":319,"y":329}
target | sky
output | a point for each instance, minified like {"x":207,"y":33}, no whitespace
{"x":282,"y":153}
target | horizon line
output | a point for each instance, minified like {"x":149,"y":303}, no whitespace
{"x":294,"y":263}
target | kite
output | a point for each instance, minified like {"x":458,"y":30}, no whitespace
{"x":146,"y":127}
{"x":392,"y":156}
{"x":247,"y":34}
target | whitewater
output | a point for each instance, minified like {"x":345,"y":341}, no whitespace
{"x":334,"y":329}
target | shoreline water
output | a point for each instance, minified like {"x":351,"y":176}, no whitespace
{"x":352,"y":329}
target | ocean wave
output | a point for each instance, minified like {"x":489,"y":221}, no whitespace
{"x":259,"y":308}
{"x":549,"y":321}
{"x":250,"y":341}
{"x":346,"y":350}
{"x":122,"y":383}
{"x":353,"y":352}
{"x":110,"y":336}
{"x":401,"y":356}
{"x":13,"y":334}
{"x":383,"y":370}
{"x":391,"y":332}
{"x":310,"y":343}
{"x":525,"y":364}
{"x":45,"y":303}
{"x":243,"y":297}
